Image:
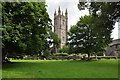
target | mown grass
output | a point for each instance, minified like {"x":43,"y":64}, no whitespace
{"x":60,"y":69}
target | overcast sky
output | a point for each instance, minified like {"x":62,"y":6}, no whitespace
{"x":73,"y":12}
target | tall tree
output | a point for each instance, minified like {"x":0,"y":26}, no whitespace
{"x":25,"y":27}
{"x":85,"y":37}
{"x":110,"y":9}
{"x":106,"y":13}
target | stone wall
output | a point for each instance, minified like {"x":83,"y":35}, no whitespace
{"x":119,"y":29}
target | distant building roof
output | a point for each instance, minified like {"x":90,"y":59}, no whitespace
{"x":116,"y":41}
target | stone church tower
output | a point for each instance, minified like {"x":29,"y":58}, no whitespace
{"x":60,"y":26}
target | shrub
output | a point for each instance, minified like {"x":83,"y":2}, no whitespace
{"x":108,"y":57}
{"x":61,"y":54}
{"x":65,"y":49}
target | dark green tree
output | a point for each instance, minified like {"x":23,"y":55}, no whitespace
{"x":53,"y":40}
{"x":65,"y":49}
{"x":85,"y":37}
{"x":108,"y":9}
{"x":25,"y":28}
{"x":106,"y":13}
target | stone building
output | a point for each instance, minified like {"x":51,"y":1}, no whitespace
{"x":114,"y":48}
{"x":119,"y":29}
{"x":60,"y":27}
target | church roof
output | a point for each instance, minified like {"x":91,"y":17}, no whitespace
{"x":116,"y":41}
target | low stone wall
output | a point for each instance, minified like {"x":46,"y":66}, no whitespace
{"x":63,"y":57}
{"x":66,"y":58}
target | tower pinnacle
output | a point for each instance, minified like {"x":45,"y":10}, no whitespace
{"x":55,"y":13}
{"x":62,"y":12}
{"x":59,"y":11}
{"x":66,"y":13}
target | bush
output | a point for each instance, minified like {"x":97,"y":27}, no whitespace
{"x":65,"y":49}
{"x":61,"y":54}
{"x":107,"y":57}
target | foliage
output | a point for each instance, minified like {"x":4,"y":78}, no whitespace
{"x":65,"y":49}
{"x":103,"y":9}
{"x":86,"y":38}
{"x":106,"y":13}
{"x":26,"y":28}
{"x":54,"y":38}
{"x":60,"y":54}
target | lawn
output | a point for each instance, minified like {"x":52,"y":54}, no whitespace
{"x":60,"y":69}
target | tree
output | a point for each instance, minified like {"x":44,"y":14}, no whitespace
{"x":102,"y":8}
{"x":85,"y":37}
{"x":53,"y":40}
{"x":25,"y":28}
{"x":106,"y":13}
{"x":65,"y":49}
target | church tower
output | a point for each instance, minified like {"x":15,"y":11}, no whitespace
{"x":60,"y":26}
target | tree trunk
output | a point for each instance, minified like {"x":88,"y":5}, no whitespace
{"x":4,"y":59}
{"x":96,"y":57}
{"x":88,"y":56}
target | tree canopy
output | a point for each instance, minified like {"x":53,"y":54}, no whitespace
{"x":26,"y":28}
{"x":106,"y":13}
{"x":92,"y":33}
{"x":109,"y":9}
{"x":86,"y":38}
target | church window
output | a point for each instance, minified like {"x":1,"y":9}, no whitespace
{"x":116,"y":46}
{"x":63,"y":38}
{"x":63,"y":22}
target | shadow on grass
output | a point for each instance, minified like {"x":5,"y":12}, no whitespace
{"x":17,"y":64}
{"x":9,"y":65}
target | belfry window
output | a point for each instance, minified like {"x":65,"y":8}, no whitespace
{"x":63,"y":22}
{"x":63,"y":38}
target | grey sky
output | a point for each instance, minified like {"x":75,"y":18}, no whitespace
{"x":73,"y":12}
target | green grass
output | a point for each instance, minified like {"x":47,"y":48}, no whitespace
{"x":60,"y":69}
